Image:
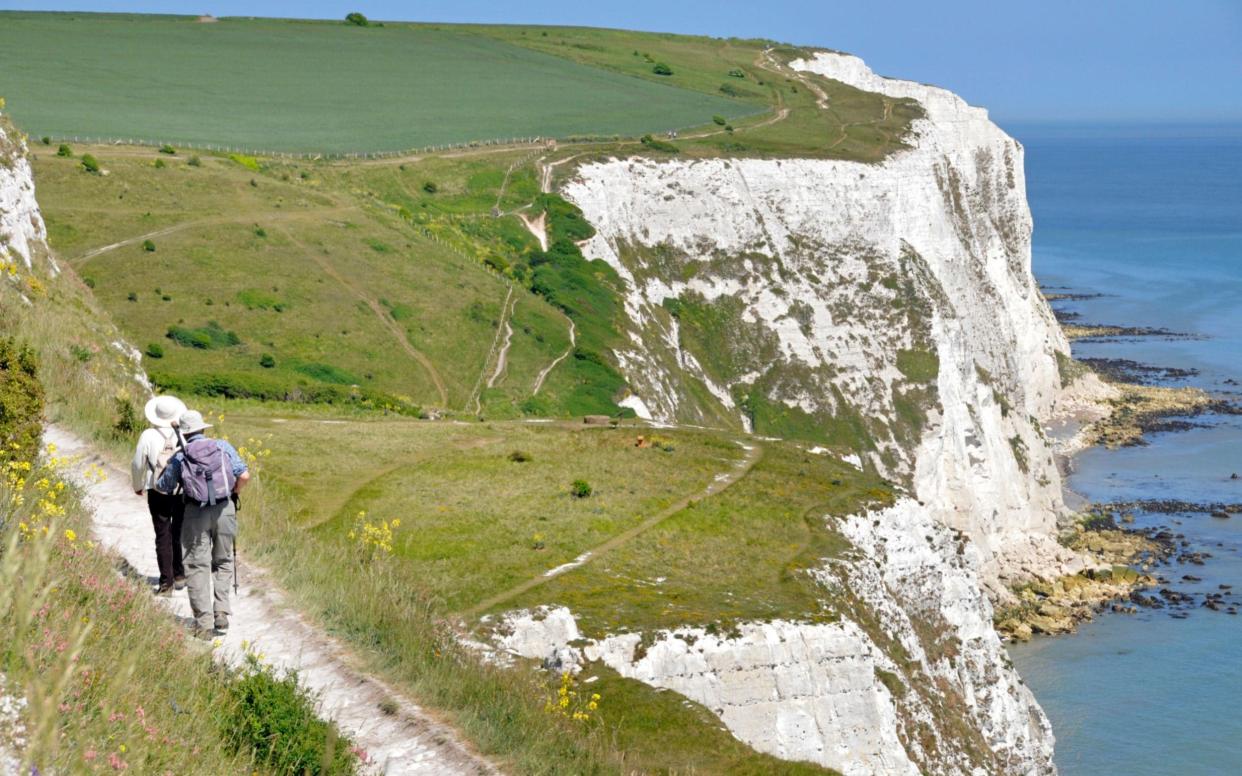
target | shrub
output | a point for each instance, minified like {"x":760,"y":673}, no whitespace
{"x":195,"y":162}
{"x":430,"y":187}
{"x":259,"y":231}
{"x":148,"y":246}
{"x":357,"y":19}
{"x":21,"y":402}
{"x":126,"y":418}
{"x":519,"y":456}
{"x":661,"y":69}
{"x":159,"y":164}
{"x":730,"y":90}
{"x":580,"y":489}
{"x":155,"y":350}
{"x":131,"y":296}
{"x":719,"y":120}
{"x":89,"y":281}
{"x":267,"y":361}
{"x":46,"y":140}
{"x":90,"y":164}
{"x":258,"y":299}
{"x":737,"y":72}
{"x":80,"y":353}
{"x":275,"y":718}
{"x":659,"y":145}
{"x":167,"y":149}
{"x":249,"y":162}
{"x":65,"y":151}
{"x":328,"y":373}
{"x":207,"y":337}
{"x":729,"y":128}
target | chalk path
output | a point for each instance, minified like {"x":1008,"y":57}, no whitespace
{"x":409,"y":741}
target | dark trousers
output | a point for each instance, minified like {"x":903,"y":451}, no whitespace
{"x":167,"y":513}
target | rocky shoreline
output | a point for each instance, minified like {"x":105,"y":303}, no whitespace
{"x":1123,"y":562}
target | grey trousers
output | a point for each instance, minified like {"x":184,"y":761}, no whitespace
{"x":207,"y":552}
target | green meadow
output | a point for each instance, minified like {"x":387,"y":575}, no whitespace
{"x":294,"y":86}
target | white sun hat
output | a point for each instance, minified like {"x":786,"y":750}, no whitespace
{"x":163,"y":410}
{"x":191,"y":421}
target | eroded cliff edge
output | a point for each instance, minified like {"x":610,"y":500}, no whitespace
{"x":889,"y":312}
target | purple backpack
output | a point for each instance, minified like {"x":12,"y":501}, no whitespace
{"x":206,"y":474}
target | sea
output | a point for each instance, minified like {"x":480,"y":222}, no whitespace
{"x":1146,"y":221}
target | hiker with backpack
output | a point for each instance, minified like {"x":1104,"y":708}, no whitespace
{"x":210,"y":473}
{"x":156,"y":447}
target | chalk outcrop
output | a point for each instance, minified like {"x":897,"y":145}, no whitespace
{"x":894,"y":301}
{"x":23,"y":235}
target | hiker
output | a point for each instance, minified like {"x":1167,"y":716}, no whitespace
{"x":210,"y":473}
{"x":156,"y":447}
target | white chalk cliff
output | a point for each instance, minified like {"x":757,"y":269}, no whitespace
{"x":23,"y":236}
{"x":830,"y":273}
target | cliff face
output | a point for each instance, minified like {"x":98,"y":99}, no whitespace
{"x":23,"y":236}
{"x":889,"y":308}
{"x":886,"y":311}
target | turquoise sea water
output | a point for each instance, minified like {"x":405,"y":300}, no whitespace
{"x":1151,"y":217}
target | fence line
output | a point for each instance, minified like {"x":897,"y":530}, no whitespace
{"x":540,"y":140}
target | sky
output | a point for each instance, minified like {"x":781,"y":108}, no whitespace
{"x":1040,"y":60}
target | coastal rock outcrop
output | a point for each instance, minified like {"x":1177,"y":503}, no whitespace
{"x":888,"y":309}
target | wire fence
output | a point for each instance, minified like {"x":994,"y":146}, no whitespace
{"x":219,"y":148}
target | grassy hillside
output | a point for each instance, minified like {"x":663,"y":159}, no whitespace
{"x":283,"y":85}
{"x":341,"y":284}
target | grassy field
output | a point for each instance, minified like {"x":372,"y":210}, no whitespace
{"x":284,"y":85}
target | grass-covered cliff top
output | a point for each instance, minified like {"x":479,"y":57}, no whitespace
{"x":280,"y":85}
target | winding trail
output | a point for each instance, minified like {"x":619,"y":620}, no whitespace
{"x":393,"y":327}
{"x":410,"y":741}
{"x":502,"y":360}
{"x":719,"y":483}
{"x":505,"y":311}
{"x":275,"y":215}
{"x":573,"y":343}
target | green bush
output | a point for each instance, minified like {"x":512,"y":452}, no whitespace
{"x":207,"y":337}
{"x":195,"y":162}
{"x":148,"y":246}
{"x":580,"y":489}
{"x":259,"y":231}
{"x":81,"y":354}
{"x":662,"y":69}
{"x":89,"y":281}
{"x":328,"y":373}
{"x":275,"y":718}
{"x":430,"y":187}
{"x":90,"y":164}
{"x":131,"y":296}
{"x":267,"y":361}
{"x":258,"y":299}
{"x":65,"y":151}
{"x":167,"y":149}
{"x":519,"y":456}
{"x":357,"y":19}
{"x":46,"y":140}
{"x":719,"y":120}
{"x":126,"y":423}
{"x":737,"y":72}
{"x":659,"y":145}
{"x":21,"y":402}
{"x":155,"y":350}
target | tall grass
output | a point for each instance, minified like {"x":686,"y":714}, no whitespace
{"x":402,"y":633}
